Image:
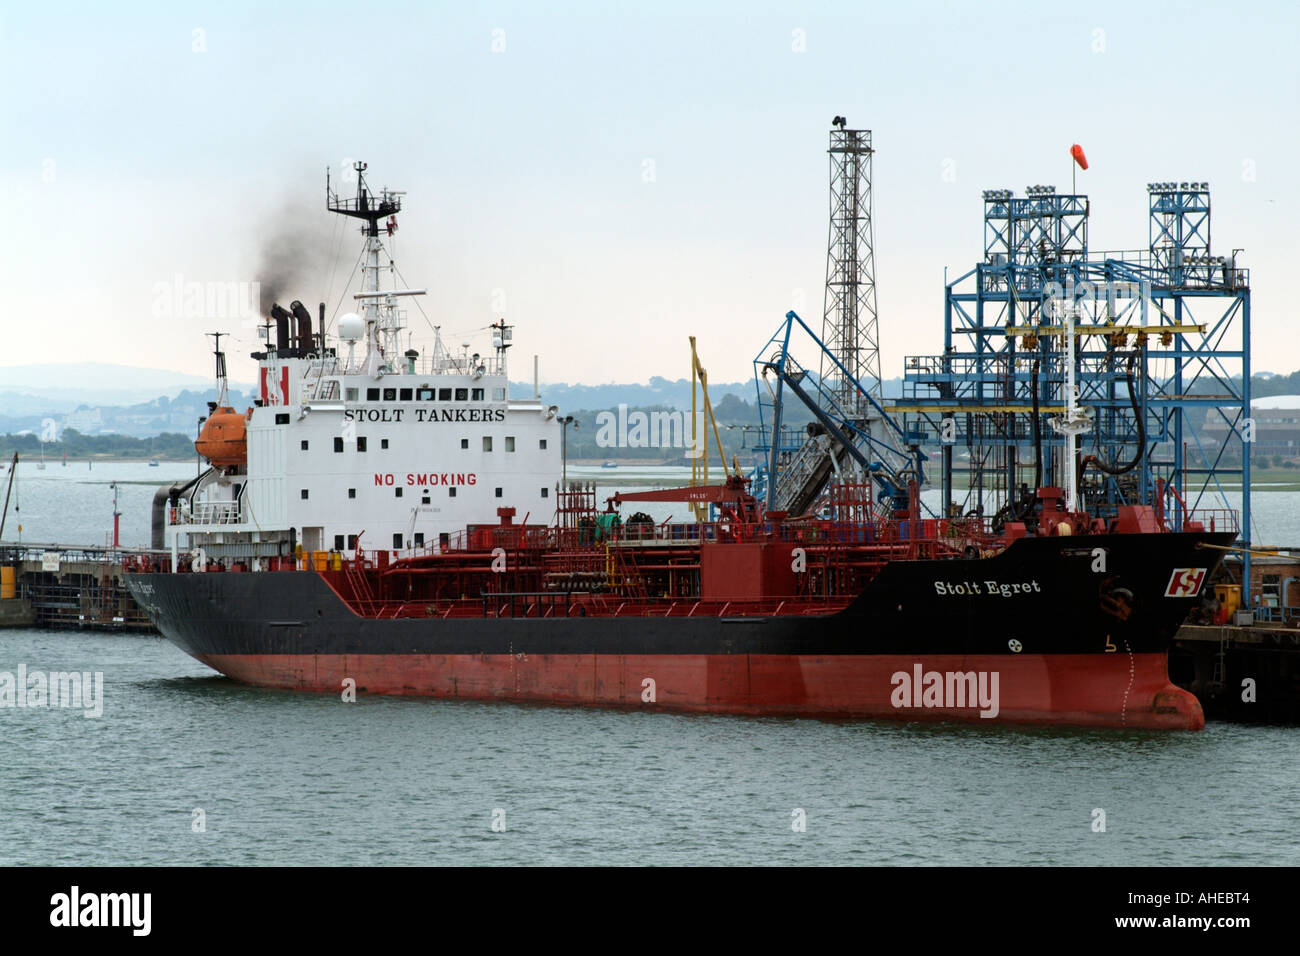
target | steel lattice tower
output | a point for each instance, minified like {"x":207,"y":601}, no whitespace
{"x":850,"y":330}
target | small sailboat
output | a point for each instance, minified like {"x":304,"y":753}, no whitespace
{"x":153,"y":462}
{"x":610,"y":464}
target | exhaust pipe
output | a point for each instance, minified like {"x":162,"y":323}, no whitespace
{"x":282,"y":319}
{"x":304,"y":325}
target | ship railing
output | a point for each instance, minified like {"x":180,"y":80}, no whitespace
{"x":208,"y":512}
{"x":528,"y":604}
{"x":774,"y":606}
{"x":1172,"y":511}
{"x":130,"y":558}
{"x":572,"y":604}
{"x":1213,"y":519}
{"x":805,"y":531}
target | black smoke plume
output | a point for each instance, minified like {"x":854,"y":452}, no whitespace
{"x":297,"y":254}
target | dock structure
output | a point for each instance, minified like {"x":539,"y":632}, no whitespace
{"x":1152,"y":344}
{"x":1240,"y":653}
{"x":1241,"y":673}
{"x":69,"y":586}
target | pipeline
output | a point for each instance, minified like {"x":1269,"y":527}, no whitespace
{"x":1101,"y":464}
{"x":1038,"y":435}
{"x":167,"y":496}
{"x":1022,"y":509}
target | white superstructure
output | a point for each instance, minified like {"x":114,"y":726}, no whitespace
{"x":353,"y":442}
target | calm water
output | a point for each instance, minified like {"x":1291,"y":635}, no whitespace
{"x":307,"y":779}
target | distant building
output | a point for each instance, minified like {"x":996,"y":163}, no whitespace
{"x":87,"y":421}
{"x":1277,"y":427}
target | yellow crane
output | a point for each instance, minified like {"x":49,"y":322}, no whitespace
{"x":699,"y":450}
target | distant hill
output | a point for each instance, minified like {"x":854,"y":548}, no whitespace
{"x":95,"y":383}
{"x":658,"y":392}
{"x":99,"y":398}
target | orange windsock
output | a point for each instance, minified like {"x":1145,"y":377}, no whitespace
{"x":1077,"y":152}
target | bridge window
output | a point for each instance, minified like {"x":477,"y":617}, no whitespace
{"x":404,"y":395}
{"x":372,"y":394}
{"x":390,"y":394}
{"x":350,"y":394}
{"x":498,"y":394}
{"x":476,"y":395}
{"x":425,"y":394}
{"x":444,"y":395}
{"x":282,"y":418}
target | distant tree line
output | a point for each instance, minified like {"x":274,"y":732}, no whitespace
{"x":661,"y":433}
{"x":73,"y":444}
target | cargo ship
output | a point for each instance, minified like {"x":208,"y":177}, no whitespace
{"x":386,"y":520}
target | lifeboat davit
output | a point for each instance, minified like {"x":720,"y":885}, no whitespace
{"x":224,"y":441}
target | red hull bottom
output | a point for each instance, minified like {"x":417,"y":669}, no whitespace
{"x":1110,"y":690}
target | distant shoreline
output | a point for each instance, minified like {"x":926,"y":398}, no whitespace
{"x":650,"y":462}
{"x":96,"y":459}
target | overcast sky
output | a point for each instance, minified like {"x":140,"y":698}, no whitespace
{"x":609,"y":182}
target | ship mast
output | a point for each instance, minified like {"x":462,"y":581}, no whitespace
{"x":223,"y":397}
{"x":384,"y":322}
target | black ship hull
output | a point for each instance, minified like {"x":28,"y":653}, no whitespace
{"x":1060,"y":630}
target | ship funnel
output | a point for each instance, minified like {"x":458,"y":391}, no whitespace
{"x":304,"y":325}
{"x":282,"y":319}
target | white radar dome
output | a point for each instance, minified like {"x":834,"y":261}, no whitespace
{"x":351,"y":327}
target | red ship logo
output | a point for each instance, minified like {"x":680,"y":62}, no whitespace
{"x":1185,"y":582}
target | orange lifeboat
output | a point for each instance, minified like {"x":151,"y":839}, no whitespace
{"x":223,"y":440}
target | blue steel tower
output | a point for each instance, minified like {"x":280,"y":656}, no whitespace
{"x":1155,"y":340}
